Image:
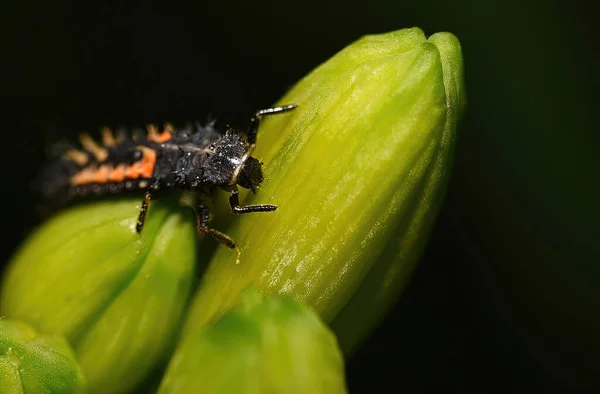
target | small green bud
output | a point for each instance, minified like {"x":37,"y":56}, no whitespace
{"x":32,"y":364}
{"x":270,"y":345}
{"x":359,"y":172}
{"x":116,"y":295}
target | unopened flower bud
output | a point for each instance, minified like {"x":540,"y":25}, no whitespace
{"x":116,"y":295}
{"x":264,"y":345}
{"x":359,"y":171}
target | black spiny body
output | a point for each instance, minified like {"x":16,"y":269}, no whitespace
{"x":197,"y":160}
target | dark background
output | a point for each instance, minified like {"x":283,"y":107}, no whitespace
{"x":504,"y":299}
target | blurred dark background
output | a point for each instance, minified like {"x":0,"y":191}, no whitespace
{"x":506,"y":297}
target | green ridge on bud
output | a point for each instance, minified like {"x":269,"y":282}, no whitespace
{"x":31,"y":363}
{"x":264,"y":345}
{"x":117,"y":296}
{"x":359,"y":172}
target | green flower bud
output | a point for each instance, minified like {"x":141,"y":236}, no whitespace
{"x":116,"y":295}
{"x":270,"y":345}
{"x":359,"y":172}
{"x":33,"y":364}
{"x":382,"y":285}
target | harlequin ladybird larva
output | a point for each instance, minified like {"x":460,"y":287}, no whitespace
{"x":199,"y":160}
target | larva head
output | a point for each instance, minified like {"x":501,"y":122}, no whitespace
{"x":250,"y":175}
{"x":229,"y":163}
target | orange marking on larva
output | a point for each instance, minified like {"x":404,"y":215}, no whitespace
{"x":131,"y":172}
{"x":117,"y":174}
{"x":107,"y":137}
{"x":167,"y":134}
{"x":83,"y":177}
{"x":154,"y":135}
{"x":91,"y":146}
{"x":102,"y":173}
{"x":152,"y":132}
{"x":146,"y":168}
{"x":164,"y":137}
{"x":79,"y":157}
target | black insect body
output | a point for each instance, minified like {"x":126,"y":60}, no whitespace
{"x":194,"y":160}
